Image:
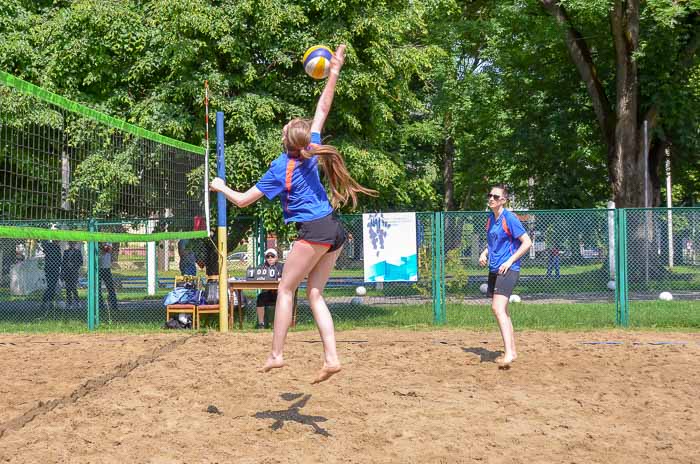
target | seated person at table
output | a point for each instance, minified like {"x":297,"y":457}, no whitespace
{"x":268,"y":297}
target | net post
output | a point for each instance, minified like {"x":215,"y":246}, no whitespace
{"x":221,"y":225}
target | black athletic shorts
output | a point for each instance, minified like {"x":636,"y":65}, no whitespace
{"x":502,"y":284}
{"x":266,"y":298}
{"x":327,"y":231}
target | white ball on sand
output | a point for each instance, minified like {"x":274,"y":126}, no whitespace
{"x":361,"y":291}
{"x":483,"y":288}
{"x":514,"y":298}
{"x":611,"y":285}
{"x":356,"y":301}
{"x":665,"y":296}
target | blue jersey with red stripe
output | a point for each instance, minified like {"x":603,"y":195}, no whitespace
{"x":502,"y":235}
{"x":297,"y":183}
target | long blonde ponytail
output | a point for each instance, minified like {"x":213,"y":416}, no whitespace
{"x":343,"y":187}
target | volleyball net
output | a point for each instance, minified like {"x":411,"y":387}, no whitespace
{"x":64,"y":166}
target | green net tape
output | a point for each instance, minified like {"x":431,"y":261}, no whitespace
{"x":81,"y":236}
{"x":69,"y":105}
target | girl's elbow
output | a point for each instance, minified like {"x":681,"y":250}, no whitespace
{"x":245,"y":202}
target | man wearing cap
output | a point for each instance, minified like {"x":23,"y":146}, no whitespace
{"x":268,"y":297}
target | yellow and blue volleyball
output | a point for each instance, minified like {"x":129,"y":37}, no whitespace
{"x":317,"y":61}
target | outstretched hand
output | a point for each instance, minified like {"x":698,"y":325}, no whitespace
{"x":217,"y":185}
{"x":338,"y":58}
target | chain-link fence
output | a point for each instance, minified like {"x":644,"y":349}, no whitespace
{"x":351,"y":300}
{"x":42,"y":281}
{"x":662,"y":268}
{"x":567,"y":279}
{"x":567,"y":269}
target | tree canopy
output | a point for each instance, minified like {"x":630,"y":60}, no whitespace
{"x":437,"y":100}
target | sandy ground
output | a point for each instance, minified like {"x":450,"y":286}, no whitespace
{"x":402,"y":397}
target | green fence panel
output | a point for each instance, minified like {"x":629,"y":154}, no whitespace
{"x":565,"y":278}
{"x":41,"y":281}
{"x":663,"y":267}
{"x":587,"y":268}
{"x":356,"y":303}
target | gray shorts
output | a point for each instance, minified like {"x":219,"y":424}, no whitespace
{"x":502,"y":284}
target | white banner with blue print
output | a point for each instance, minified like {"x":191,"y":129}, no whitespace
{"x":390,"y":247}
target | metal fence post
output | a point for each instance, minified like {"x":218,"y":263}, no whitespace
{"x":434,"y":266}
{"x":93,"y":281}
{"x":438,"y":268}
{"x":621,"y":291}
{"x":260,"y":243}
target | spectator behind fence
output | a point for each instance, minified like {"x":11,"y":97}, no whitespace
{"x":105,"y":263}
{"x":188,"y":259}
{"x":553,"y":262}
{"x":268,"y":297}
{"x":52,"y":270}
{"x":208,"y":254}
{"x":70,"y":271}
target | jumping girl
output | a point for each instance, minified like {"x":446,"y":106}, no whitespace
{"x":294,"y":178}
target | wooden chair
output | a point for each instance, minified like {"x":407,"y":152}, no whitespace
{"x":216,"y":309}
{"x":183,"y":307}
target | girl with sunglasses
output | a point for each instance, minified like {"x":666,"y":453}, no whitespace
{"x":507,"y":243}
{"x":294,"y":178}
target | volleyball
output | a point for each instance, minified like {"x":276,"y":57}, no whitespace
{"x":317,"y":61}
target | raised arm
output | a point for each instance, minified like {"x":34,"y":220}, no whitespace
{"x":240,"y":199}
{"x":326,"y":100}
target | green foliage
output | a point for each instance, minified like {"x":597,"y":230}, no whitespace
{"x":487,"y":86}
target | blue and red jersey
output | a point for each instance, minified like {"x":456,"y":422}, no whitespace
{"x":296,"y":181}
{"x":502,"y":235}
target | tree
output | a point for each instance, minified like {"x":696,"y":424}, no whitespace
{"x":671,"y":44}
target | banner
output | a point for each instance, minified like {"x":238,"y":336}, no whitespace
{"x":390,"y":247}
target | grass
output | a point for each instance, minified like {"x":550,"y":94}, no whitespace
{"x":644,"y":315}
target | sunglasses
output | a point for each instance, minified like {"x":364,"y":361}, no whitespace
{"x":494,"y":196}
{"x":270,"y":256}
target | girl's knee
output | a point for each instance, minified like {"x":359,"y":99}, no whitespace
{"x":499,"y":309}
{"x":285,"y":290}
{"x":314,"y":294}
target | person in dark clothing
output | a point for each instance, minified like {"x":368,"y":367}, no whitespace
{"x":70,"y":271}
{"x":208,"y":254}
{"x":553,"y":262}
{"x":52,"y":270}
{"x":268,"y":297}
{"x":105,"y":273}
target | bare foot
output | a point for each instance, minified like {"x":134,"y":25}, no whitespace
{"x":326,"y":373}
{"x":273,"y":363}
{"x":504,"y":361}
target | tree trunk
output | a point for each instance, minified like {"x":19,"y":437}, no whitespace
{"x":448,"y":203}
{"x":627,"y":167}
{"x":657,"y":155}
